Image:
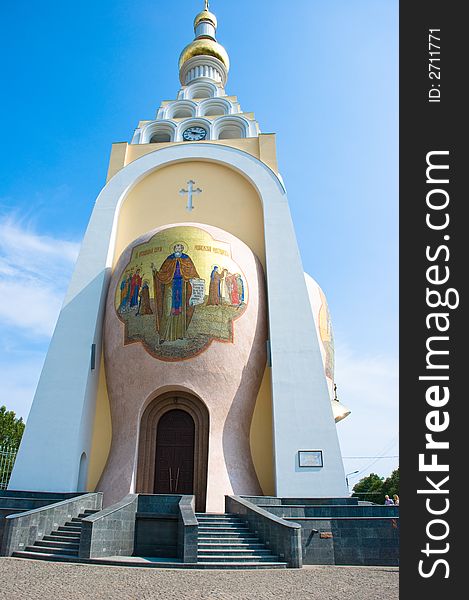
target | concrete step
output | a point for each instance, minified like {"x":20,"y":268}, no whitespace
{"x":119,"y":563}
{"x":219,"y":527}
{"x":210,"y":523}
{"x":240,"y":565}
{"x":44,"y":556}
{"x":51,"y":550}
{"x":215,"y":515}
{"x":231,"y":546}
{"x":239,"y":559}
{"x":54,"y":543}
{"x":241,"y":552}
{"x":65,"y":532}
{"x":219,"y":518}
{"x":70,"y":527}
{"x":226,"y":534}
{"x":57,"y":536}
{"x":225,"y":523}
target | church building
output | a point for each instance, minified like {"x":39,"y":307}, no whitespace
{"x":192,"y":354}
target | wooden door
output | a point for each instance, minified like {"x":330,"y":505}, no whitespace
{"x":174,"y":461}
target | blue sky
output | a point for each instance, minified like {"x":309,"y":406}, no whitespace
{"x":320,"y":74}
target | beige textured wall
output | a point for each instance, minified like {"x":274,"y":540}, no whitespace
{"x":226,"y":377}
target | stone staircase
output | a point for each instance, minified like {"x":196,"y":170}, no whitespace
{"x":61,"y":544}
{"x":225,"y":541}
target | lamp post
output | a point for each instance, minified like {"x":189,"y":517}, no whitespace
{"x":346,"y":478}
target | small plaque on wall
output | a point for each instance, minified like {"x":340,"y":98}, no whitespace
{"x":310,"y":458}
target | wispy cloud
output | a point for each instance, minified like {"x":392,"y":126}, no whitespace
{"x":22,"y":374}
{"x":34,"y":273}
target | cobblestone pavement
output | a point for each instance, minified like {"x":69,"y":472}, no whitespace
{"x":36,"y":580}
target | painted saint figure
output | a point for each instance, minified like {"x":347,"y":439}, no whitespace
{"x":125,"y":289}
{"x":240,"y":283}
{"x":172,"y":293}
{"x":135,"y":284}
{"x":144,"y":307}
{"x":214,"y":292}
{"x":232,"y":287}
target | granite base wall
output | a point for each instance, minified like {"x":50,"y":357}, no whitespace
{"x":340,"y":531}
{"x":24,"y":528}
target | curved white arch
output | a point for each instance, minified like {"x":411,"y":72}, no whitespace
{"x":202,"y":89}
{"x":163,"y":126}
{"x":194,"y":122}
{"x":301,"y":404}
{"x":171,"y":110}
{"x":220,"y":103}
{"x":246,"y":127}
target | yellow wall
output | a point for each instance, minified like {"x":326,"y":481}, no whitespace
{"x":102,"y":433}
{"x":261,"y":436}
{"x":262,"y":147}
{"x":117,"y":159}
{"x":227,"y":201}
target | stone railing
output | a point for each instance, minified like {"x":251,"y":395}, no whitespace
{"x":282,"y":537}
{"x":111,"y":531}
{"x":25,"y":528}
{"x":188,"y":529}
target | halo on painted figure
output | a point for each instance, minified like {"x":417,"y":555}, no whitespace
{"x":182,"y":323}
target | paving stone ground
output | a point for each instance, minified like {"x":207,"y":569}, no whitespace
{"x":36,"y":580}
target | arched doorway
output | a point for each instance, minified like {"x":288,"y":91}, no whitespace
{"x":173,"y":447}
{"x":174,"y":459}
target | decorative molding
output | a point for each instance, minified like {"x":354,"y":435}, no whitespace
{"x":247,"y":127}
{"x":207,"y":88}
{"x":203,"y":67}
{"x":226,"y":105}
{"x":193,"y":122}
{"x":163,"y":126}
{"x":171,"y":109}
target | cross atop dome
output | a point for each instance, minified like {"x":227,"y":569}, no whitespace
{"x":204,"y":57}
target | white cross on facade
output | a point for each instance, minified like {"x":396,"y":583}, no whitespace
{"x":190,"y":190}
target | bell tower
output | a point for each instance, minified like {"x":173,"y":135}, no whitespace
{"x":188,"y":317}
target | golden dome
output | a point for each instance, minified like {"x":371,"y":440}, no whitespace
{"x":204,"y":46}
{"x":206,"y":15}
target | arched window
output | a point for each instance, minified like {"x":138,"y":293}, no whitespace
{"x":82,"y":473}
{"x":214,"y":111}
{"x":182,"y":113}
{"x":160,"y":136}
{"x":231,"y":132}
{"x":201,"y":91}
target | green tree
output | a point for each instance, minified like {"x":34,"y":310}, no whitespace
{"x":370,"y":488}
{"x":11,"y":429}
{"x":391,"y":484}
